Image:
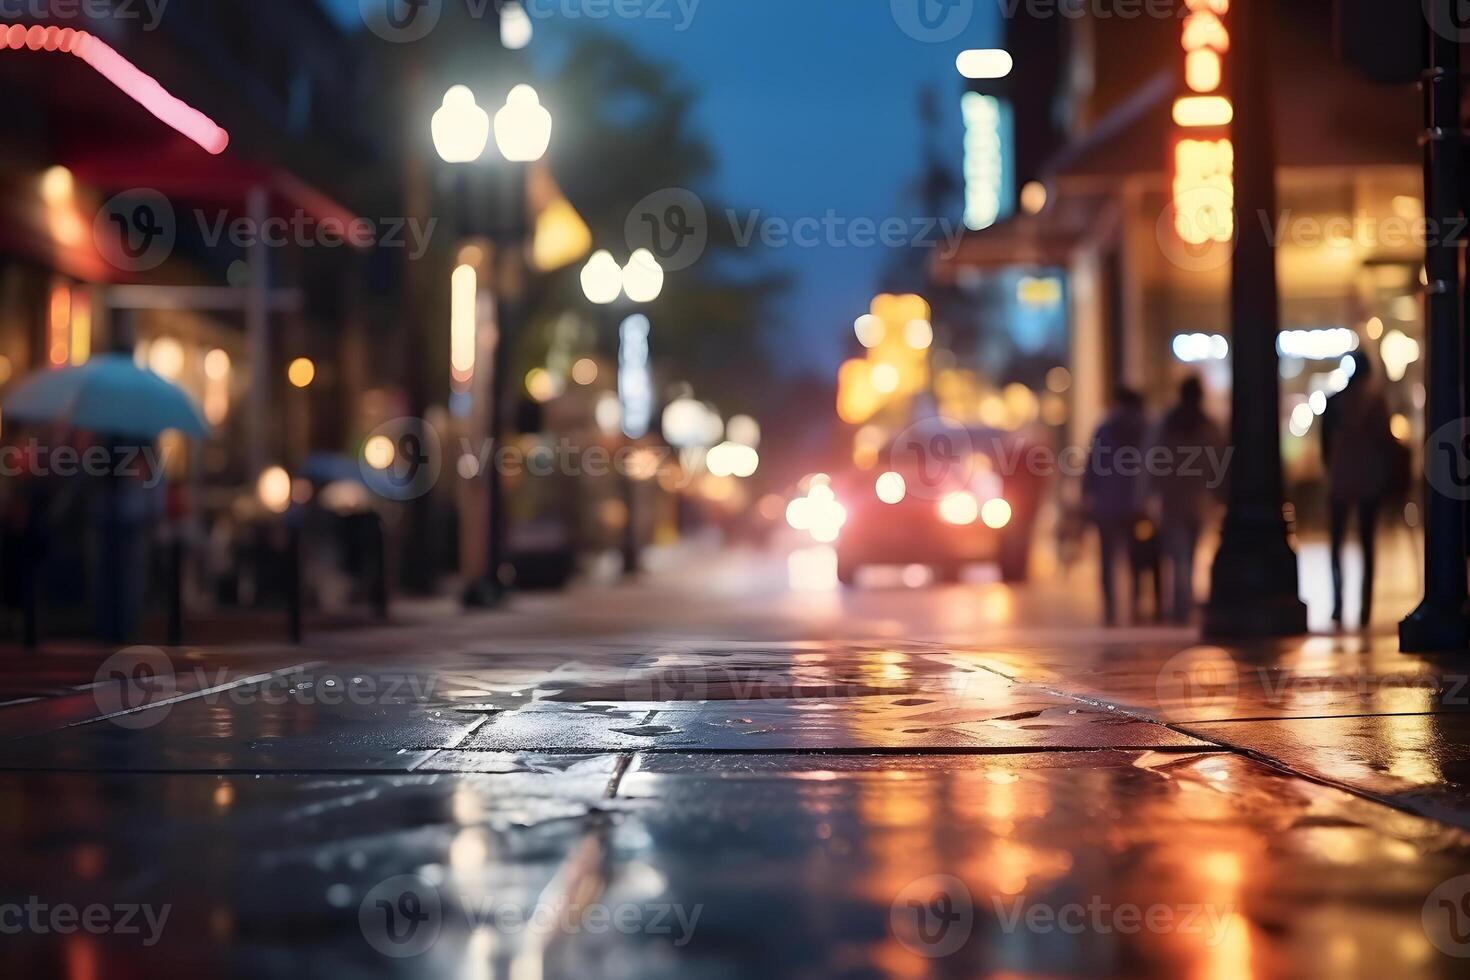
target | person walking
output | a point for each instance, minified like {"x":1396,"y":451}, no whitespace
{"x":1186,"y":448}
{"x":1110,"y":490}
{"x":1358,"y":454}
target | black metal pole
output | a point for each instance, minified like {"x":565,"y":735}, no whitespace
{"x":630,"y":524}
{"x":176,"y":588}
{"x":30,"y":589}
{"x":380,"y":567}
{"x":509,"y":280}
{"x":293,"y":580}
{"x":1253,"y":584}
{"x":1439,"y":622}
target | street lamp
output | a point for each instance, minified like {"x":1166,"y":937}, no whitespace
{"x":460,"y":127}
{"x":641,"y":281}
{"x":522,"y":126}
{"x":643,"y":277}
{"x":602,"y":279}
{"x":461,"y":131}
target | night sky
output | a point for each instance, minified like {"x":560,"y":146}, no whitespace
{"x":810,"y":105}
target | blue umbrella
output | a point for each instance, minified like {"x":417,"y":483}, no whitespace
{"x":108,"y":394}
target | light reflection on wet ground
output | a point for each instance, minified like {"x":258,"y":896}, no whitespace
{"x":789,"y":786}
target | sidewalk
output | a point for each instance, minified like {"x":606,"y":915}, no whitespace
{"x":659,"y":780}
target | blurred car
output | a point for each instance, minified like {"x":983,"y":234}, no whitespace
{"x":942,"y":499}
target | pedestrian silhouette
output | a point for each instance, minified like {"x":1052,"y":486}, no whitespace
{"x":1184,"y":473}
{"x":1110,"y":490}
{"x":1358,"y":453}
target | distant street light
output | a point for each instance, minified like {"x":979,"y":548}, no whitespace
{"x":522,"y":126}
{"x":984,"y":63}
{"x":301,"y":372}
{"x":602,"y":279}
{"x":461,"y":129}
{"x":643,"y":277}
{"x":516,"y":29}
{"x":273,"y":489}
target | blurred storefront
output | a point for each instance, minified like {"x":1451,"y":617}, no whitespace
{"x":1146,"y":306}
{"x":163,"y":193}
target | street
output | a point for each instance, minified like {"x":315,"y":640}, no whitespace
{"x":649,"y":780}
{"x":641,"y":489}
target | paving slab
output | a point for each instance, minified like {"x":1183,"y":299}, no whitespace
{"x":1005,"y":717}
{"x":1189,"y":681}
{"x":309,"y":719}
{"x":280,"y":875}
{"x":1418,"y":762}
{"x":1100,"y":864}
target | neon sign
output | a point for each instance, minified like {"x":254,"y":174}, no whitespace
{"x":1204,"y":165}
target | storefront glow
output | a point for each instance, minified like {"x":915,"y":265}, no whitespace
{"x":987,"y":168}
{"x":635,"y":385}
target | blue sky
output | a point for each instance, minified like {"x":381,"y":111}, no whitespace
{"x":810,"y":105}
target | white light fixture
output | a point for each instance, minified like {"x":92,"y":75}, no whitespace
{"x":463,"y":294}
{"x":273,"y":489}
{"x":460,"y":127}
{"x":602,"y":279}
{"x":984,"y":63}
{"x":744,"y":430}
{"x":869,"y":330}
{"x":643,"y":277}
{"x":522,"y":126}
{"x":516,"y":30}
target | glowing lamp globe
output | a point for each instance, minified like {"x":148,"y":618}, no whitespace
{"x":523,"y":126}
{"x":460,"y":127}
{"x":602,"y":280}
{"x":643,"y":277}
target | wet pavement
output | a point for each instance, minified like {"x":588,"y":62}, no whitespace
{"x":664,"y":781}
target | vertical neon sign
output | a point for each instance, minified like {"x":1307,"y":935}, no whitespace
{"x":1203,"y":156}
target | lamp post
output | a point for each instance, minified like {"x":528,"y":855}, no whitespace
{"x":1253,"y":584}
{"x":641,"y":281}
{"x":522,"y":130}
